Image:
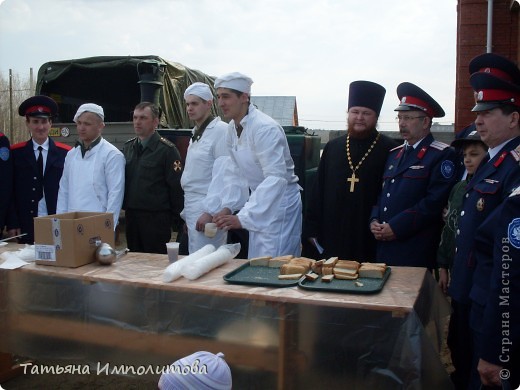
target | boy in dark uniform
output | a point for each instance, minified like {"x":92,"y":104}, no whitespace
{"x":37,"y":168}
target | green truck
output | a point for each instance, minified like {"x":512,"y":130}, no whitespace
{"x":118,"y":83}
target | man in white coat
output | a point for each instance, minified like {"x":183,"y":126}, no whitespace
{"x":207,"y":144}
{"x":94,"y":173}
{"x":261,"y":162}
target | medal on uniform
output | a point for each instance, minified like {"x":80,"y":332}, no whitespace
{"x":480,"y":204}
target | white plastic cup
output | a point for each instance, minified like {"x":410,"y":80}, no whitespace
{"x":173,"y":251}
{"x":210,"y":229}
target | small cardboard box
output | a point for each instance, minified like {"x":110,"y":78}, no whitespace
{"x":69,"y":239}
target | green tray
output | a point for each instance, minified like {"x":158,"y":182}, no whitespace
{"x":258,"y":276}
{"x":370,"y":285}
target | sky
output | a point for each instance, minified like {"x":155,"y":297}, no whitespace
{"x":311,"y":49}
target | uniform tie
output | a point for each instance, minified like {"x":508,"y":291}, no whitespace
{"x":39,"y":162}
{"x":406,"y":152}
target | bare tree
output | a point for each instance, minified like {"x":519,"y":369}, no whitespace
{"x":20,"y":90}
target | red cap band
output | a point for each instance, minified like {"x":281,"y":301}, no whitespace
{"x":413,"y":101}
{"x":498,"y":95}
{"x":40,"y":109}
{"x":498,"y":73}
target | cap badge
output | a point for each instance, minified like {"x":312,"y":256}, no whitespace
{"x":403,"y":100}
{"x":480,"y":95}
{"x":487,"y":70}
{"x":472,"y":133}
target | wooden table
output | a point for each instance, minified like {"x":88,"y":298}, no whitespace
{"x":283,"y":337}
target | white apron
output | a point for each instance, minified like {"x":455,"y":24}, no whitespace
{"x":81,"y":180}
{"x":192,"y":211}
{"x":279,"y":231}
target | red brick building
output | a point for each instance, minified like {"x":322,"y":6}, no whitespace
{"x":472,"y":40}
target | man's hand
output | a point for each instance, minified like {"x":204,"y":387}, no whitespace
{"x":14,"y":232}
{"x":227,"y":222}
{"x":443,"y":280}
{"x":202,"y":221}
{"x":382,"y":231}
{"x":489,"y":373}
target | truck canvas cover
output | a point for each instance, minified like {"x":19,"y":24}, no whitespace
{"x":114,"y":84}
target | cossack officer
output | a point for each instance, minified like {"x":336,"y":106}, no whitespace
{"x":417,"y":180}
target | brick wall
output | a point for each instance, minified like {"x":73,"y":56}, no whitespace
{"x":472,"y":40}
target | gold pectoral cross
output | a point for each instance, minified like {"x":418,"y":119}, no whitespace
{"x":353,"y":180}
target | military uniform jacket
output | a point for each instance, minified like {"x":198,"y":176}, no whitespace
{"x":495,"y":292}
{"x":6,"y":178}
{"x":27,"y":186}
{"x":415,"y":190}
{"x":490,"y":185}
{"x":152,"y":178}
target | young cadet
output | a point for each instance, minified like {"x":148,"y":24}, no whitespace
{"x":37,"y":168}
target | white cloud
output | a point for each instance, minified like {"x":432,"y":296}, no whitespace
{"x":310,"y":49}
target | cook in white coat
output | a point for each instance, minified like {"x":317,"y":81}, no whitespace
{"x":207,"y":144}
{"x":94,"y":173}
{"x":261,"y":162}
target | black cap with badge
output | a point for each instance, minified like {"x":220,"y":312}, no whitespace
{"x":38,"y":106}
{"x":412,"y":97}
{"x":493,"y":92}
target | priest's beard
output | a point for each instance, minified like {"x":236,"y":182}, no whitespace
{"x":361,"y":134}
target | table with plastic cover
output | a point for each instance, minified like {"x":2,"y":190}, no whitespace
{"x":124,"y":317}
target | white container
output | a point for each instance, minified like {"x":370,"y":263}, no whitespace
{"x":210,"y":229}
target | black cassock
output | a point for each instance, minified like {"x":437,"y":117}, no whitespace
{"x":340,"y":218}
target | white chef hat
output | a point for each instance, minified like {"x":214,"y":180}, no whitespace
{"x":235,"y":80}
{"x":200,"y":370}
{"x":201,"y":90}
{"x":90,"y":107}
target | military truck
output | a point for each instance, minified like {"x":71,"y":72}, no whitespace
{"x":119,"y":83}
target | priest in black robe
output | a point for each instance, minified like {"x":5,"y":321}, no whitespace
{"x":348,"y":182}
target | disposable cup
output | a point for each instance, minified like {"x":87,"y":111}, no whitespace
{"x":210,"y":229}
{"x":173,"y":251}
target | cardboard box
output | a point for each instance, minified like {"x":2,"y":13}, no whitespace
{"x":69,"y":239}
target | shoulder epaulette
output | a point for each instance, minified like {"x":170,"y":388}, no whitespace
{"x":516,"y":153}
{"x":439,"y":145}
{"x":19,"y":145}
{"x":130,"y":140}
{"x":397,"y":147}
{"x":167,"y":142}
{"x":63,"y":146}
{"x":516,"y":192}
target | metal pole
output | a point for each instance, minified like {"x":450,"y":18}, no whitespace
{"x":11,"y":104}
{"x":489,"y":45}
{"x":31,"y":81}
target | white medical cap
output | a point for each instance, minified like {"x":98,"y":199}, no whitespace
{"x":235,"y":80}
{"x":90,"y":107}
{"x":199,"y":89}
